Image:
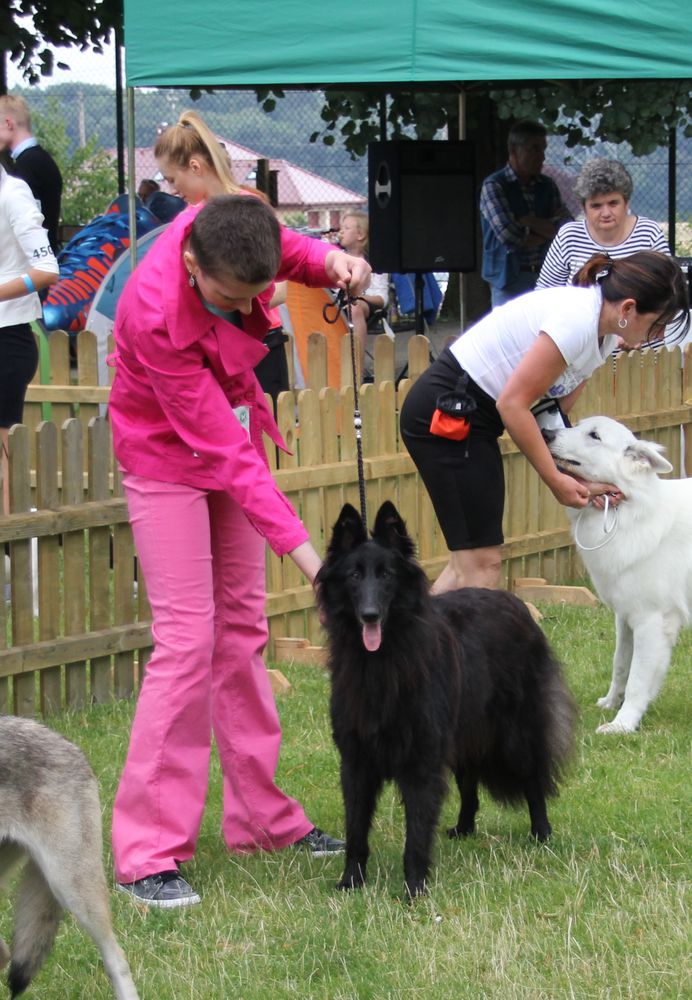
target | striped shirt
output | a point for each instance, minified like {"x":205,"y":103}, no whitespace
{"x":573,"y":246}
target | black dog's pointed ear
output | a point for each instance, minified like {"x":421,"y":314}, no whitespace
{"x":347,"y":532}
{"x":390,"y":529}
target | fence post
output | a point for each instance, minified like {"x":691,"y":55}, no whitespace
{"x":74,"y":583}
{"x":24,"y":687}
{"x":47,"y":497}
{"x":99,"y":554}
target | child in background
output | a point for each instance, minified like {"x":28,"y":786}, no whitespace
{"x":353,"y":237}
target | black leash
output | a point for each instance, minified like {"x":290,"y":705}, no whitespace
{"x":332,"y":310}
{"x":357,"y":421}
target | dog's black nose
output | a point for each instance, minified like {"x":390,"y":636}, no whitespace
{"x":369,"y":615}
{"x":548,"y":436}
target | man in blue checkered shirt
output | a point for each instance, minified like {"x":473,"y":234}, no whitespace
{"x":521,"y":210}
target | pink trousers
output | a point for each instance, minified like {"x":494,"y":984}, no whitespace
{"x":204,"y":565}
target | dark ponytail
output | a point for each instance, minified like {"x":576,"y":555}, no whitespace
{"x":594,"y":270}
{"x":654,"y":280}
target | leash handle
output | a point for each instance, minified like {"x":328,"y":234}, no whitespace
{"x":332,"y":310}
{"x":608,"y":531}
{"x":357,"y":421}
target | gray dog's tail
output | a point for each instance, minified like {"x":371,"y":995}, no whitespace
{"x":37,"y":914}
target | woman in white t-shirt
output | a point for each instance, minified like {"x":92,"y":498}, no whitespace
{"x":544,"y":343}
{"x":27,"y":265}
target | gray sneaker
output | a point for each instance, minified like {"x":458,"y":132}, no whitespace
{"x":320,"y":844}
{"x":165,"y":889}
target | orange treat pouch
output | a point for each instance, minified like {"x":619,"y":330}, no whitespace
{"x":446,"y":426}
{"x":451,"y":417}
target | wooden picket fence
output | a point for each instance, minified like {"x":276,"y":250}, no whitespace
{"x":77,"y":626}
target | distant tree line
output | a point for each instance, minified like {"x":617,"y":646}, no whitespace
{"x":78,"y":120}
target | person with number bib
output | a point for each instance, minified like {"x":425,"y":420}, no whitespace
{"x":541,"y":346}
{"x":27,"y":266}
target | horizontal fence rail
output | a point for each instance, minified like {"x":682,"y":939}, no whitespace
{"x":75,"y":621}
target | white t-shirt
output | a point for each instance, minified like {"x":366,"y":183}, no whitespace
{"x":379,"y":285}
{"x":24,"y":244}
{"x":491,"y":349}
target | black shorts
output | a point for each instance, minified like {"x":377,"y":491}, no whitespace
{"x":18,"y":363}
{"x":465,"y":479}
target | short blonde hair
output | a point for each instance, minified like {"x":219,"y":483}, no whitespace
{"x":17,"y":108}
{"x":362,"y":221}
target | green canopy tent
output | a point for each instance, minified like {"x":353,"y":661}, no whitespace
{"x":388,"y":42}
{"x":294,"y":42}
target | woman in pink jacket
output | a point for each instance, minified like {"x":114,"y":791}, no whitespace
{"x":187,"y":416}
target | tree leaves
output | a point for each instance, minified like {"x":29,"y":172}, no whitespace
{"x":70,"y":23}
{"x":639,"y":112}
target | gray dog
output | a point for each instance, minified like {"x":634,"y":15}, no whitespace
{"x":50,"y":817}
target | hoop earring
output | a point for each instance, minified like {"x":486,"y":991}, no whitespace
{"x":622,"y":322}
{"x":192,"y":284}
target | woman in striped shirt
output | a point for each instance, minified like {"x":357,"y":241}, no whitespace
{"x":604,"y":188}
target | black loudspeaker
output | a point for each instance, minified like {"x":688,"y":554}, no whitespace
{"x":422,"y":206}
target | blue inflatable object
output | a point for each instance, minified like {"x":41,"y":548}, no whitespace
{"x":84,"y":263}
{"x":101,"y":316}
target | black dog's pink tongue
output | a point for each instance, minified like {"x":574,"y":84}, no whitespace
{"x":372,"y":637}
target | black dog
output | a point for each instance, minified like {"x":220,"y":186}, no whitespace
{"x":422,"y":684}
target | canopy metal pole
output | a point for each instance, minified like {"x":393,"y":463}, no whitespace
{"x":672,"y":186}
{"x":131,"y":184}
{"x":120,"y":137}
{"x":462,"y":135}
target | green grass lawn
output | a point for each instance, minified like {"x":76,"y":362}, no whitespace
{"x":601,"y":912}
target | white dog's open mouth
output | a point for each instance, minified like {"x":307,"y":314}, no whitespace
{"x":566,"y":465}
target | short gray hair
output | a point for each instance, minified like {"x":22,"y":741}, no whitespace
{"x":602,"y":176}
{"x":523,"y":131}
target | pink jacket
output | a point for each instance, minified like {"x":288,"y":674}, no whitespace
{"x":180,"y":371}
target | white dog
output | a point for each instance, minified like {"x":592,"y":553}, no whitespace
{"x":639,"y":555}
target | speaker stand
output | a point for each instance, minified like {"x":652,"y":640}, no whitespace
{"x":419,"y":317}
{"x":418,"y":288}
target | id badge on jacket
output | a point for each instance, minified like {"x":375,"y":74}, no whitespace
{"x":242,"y":414}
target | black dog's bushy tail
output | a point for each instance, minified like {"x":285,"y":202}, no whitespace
{"x":560,"y":722}
{"x":518,"y":714}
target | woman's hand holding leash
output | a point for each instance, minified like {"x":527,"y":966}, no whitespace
{"x":568,"y":490}
{"x":573,"y":491}
{"x":347,"y":272}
